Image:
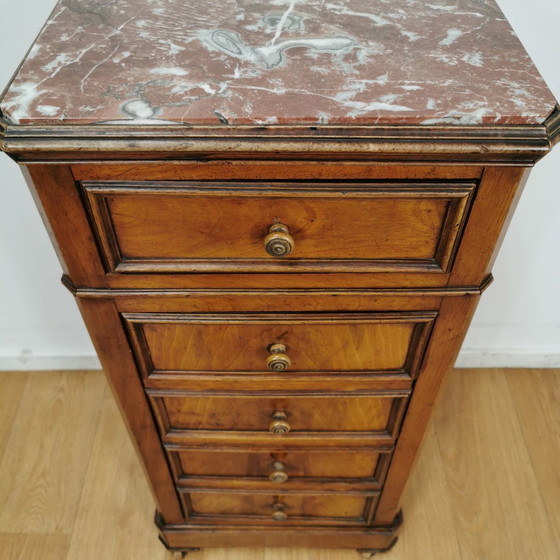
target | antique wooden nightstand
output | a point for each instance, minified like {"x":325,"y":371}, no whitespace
{"x":277,"y":218}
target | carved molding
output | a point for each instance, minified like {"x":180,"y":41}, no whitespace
{"x":522,"y":144}
{"x":553,"y":126}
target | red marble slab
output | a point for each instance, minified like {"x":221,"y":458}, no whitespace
{"x":295,"y":62}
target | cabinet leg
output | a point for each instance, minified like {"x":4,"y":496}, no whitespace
{"x":178,"y":554}
{"x":371,"y":552}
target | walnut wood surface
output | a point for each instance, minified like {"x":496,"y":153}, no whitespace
{"x":222,"y":226}
{"x":315,"y":343}
{"x":186,"y":352}
{"x":304,"y":414}
{"x":258,"y":464}
{"x":392,"y":223}
{"x":297,"y":507}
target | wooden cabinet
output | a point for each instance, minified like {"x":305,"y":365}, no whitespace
{"x":277,"y":289}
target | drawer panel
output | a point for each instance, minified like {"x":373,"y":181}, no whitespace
{"x":289,"y":343}
{"x":280,"y":416}
{"x":193,"y":227}
{"x":280,"y":469}
{"x":276,"y":508}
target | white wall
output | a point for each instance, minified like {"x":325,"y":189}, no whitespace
{"x":517,"y":323}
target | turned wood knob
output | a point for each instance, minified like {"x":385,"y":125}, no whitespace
{"x":279,"y":426}
{"x":279,"y":474}
{"x":279,"y":514}
{"x":279,"y":242}
{"x":278,"y":359}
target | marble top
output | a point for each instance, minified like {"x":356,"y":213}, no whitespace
{"x":266,"y":62}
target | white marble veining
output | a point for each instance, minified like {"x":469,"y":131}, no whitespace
{"x":277,"y":62}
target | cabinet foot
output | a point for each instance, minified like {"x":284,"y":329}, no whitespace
{"x":178,"y":554}
{"x":371,"y":552}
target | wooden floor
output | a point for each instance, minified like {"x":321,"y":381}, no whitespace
{"x":487,"y":485}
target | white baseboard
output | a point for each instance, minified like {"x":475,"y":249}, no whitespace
{"x":37,"y":362}
{"x":509,"y":357}
{"x":468,"y":358}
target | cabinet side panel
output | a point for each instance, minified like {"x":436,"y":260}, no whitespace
{"x":496,"y":199}
{"x":110,"y":341}
{"x":55,"y":193}
{"x":449,"y":331}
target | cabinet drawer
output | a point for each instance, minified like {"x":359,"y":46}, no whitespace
{"x":279,"y":416}
{"x":279,"y":469}
{"x":279,"y":508}
{"x":226,"y":227}
{"x":289,"y":343}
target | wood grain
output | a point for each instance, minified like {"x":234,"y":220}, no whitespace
{"x":22,"y":546}
{"x":304,"y":414}
{"x":428,"y":531}
{"x":496,"y":199}
{"x":540,"y":426}
{"x":492,"y":488}
{"x":114,"y":516}
{"x":13,"y":385}
{"x":237,"y":504}
{"x":222,"y":226}
{"x":241,"y":343}
{"x":41,"y":483}
{"x":109,"y":339}
{"x":306,"y":464}
{"x":113,"y":529}
{"x":59,"y":203}
{"x":261,"y":169}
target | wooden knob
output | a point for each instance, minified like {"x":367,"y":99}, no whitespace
{"x":278,"y":474}
{"x":279,"y":513}
{"x":279,"y":242}
{"x":279,"y":426}
{"x":278,"y":359}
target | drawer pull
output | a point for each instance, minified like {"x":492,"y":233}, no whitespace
{"x":279,"y":474}
{"x":279,"y":426}
{"x":279,"y":513}
{"x":279,"y":242}
{"x":278,"y":359}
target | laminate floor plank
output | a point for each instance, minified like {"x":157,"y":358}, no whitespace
{"x":486,"y":486}
{"x":497,"y":506}
{"x":428,"y":530}
{"x":12,"y":384}
{"x":47,"y":451}
{"x":115,"y":515}
{"x":24,"y":546}
{"x":536,"y":394}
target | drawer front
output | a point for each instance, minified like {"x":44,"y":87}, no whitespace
{"x":280,"y":416}
{"x":280,"y":508}
{"x":226,"y":227}
{"x":277,"y":468}
{"x":289,"y":343}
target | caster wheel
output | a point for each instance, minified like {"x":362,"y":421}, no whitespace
{"x":366,"y":554}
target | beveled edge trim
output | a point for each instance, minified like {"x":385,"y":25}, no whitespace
{"x":288,"y":317}
{"x":457,"y":194}
{"x":390,"y":292}
{"x":486,"y":283}
{"x":494,"y":143}
{"x":552,"y":124}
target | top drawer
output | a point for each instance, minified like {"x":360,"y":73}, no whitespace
{"x":175,"y":226}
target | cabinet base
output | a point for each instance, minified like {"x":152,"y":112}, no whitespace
{"x":371,"y":552}
{"x":187,"y":537}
